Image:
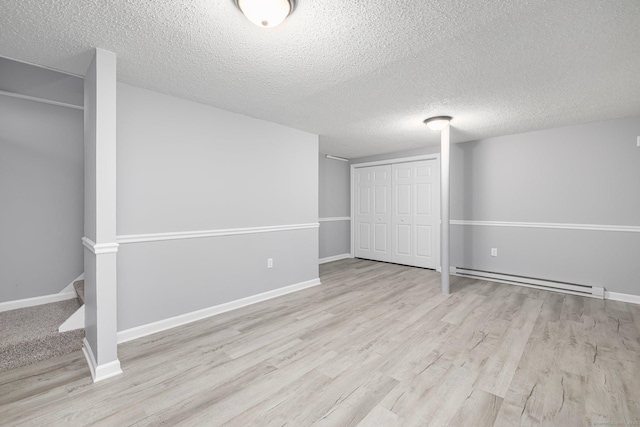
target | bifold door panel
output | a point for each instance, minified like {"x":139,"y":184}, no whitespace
{"x":373,"y":213}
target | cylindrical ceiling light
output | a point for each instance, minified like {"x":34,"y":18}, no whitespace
{"x":266,"y":13}
{"x":437,"y":123}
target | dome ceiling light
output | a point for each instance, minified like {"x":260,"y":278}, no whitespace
{"x":438,"y":123}
{"x":266,"y":13}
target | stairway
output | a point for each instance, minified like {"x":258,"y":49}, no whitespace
{"x":29,"y":335}
{"x":78,"y":285}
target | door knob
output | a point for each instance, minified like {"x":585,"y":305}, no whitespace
{"x":402,"y":220}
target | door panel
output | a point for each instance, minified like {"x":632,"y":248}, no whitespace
{"x":424,"y":170}
{"x":381,"y":234}
{"x":373,"y":219}
{"x":423,"y":199}
{"x":381,"y":200}
{"x":381,"y":173}
{"x":402,"y":220}
{"x":423,"y":241}
{"x":414,"y":213}
{"x":403,"y":240}
{"x":364,"y":214}
{"x":364,"y":207}
{"x":364,"y":243}
{"x":403,"y":201}
{"x":426,"y":214}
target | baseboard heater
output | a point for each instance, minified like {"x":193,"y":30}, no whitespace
{"x":530,"y":282}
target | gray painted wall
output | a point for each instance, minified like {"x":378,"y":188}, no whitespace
{"x":158,"y":280}
{"x":586,"y":174}
{"x":31,"y":80}
{"x":335,"y":238}
{"x":41,"y":194}
{"x":184,"y":166}
{"x":334,"y":190}
{"x":600,"y":258}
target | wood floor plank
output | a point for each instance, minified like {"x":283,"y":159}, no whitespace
{"x":564,"y":403}
{"x":217,"y":406}
{"x":524,"y":402}
{"x":376,"y":344}
{"x":498,"y":372}
{"x":441,"y":404}
{"x":480,"y":409}
{"x":354,"y":407}
{"x":274,"y":408}
{"x":380,"y":417}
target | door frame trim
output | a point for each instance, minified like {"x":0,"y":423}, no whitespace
{"x":354,"y":166}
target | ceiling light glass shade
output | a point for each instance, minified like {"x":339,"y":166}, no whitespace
{"x":438,"y":123}
{"x":266,"y":13}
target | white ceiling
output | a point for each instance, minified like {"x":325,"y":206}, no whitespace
{"x":361,"y":74}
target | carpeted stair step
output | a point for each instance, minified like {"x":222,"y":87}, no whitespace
{"x":78,"y":285}
{"x":29,"y":335}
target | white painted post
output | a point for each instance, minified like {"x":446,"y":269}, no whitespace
{"x":444,"y":207}
{"x":100,"y":343}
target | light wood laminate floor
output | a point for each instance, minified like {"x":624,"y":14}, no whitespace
{"x":376,"y":344}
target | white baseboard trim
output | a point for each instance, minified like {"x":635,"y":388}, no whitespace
{"x":99,"y":372}
{"x":333,"y":258}
{"x":616,"y":296}
{"x":69,"y":287}
{"x":67,"y":293}
{"x":31,"y":302}
{"x":183,"y":319}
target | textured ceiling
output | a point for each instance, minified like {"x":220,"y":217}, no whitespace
{"x":361,"y":74}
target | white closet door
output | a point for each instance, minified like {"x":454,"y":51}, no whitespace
{"x":364,"y":219}
{"x":414,"y":218}
{"x":402,"y":247}
{"x":426,"y":206}
{"x":373,"y":216}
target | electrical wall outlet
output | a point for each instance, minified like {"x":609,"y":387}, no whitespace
{"x":494,"y":251}
{"x":638,"y":141}
{"x":269,"y":262}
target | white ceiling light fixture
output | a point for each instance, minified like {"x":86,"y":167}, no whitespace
{"x":266,"y":13}
{"x":437,"y":123}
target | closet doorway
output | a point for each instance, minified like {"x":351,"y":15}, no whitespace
{"x":396,"y":211}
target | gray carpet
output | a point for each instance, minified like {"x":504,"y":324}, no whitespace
{"x":29,"y":335}
{"x":79,"y":287}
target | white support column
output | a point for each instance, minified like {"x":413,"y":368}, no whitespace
{"x":100,"y":343}
{"x":444,"y":207}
